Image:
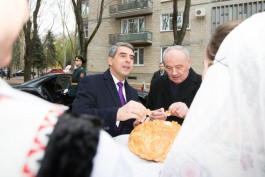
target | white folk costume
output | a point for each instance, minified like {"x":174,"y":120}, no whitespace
{"x":224,"y":131}
{"x":25,"y":123}
{"x":38,"y":139}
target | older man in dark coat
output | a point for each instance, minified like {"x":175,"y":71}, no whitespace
{"x":174,"y":92}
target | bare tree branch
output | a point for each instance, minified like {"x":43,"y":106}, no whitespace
{"x":180,"y":34}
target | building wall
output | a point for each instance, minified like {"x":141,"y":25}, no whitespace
{"x":196,"y":38}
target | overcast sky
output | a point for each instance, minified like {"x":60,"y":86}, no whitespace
{"x":50,"y":12}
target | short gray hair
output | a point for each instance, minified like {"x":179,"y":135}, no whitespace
{"x":113,"y":48}
{"x":177,"y":47}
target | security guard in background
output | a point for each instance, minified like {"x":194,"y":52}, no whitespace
{"x":78,"y":73}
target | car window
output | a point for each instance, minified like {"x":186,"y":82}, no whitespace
{"x":48,"y":89}
{"x":62,"y":82}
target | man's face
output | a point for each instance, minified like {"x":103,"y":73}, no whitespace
{"x":78,"y":63}
{"x":177,"y":66}
{"x":121,"y":64}
{"x":161,"y":67}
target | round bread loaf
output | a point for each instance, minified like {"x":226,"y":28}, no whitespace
{"x":152,"y":140}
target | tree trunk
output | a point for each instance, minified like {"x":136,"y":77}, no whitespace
{"x":28,"y":62}
{"x":83,"y":43}
{"x":97,"y":27}
{"x":179,"y":35}
{"x":29,"y":41}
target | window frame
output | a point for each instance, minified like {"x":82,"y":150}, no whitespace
{"x":169,"y":22}
{"x":84,"y":8}
{"x":85,"y":29}
{"x":240,"y":11}
{"x":137,"y":56}
{"x":127,"y":23}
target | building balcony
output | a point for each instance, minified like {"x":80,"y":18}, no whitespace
{"x":140,"y":7}
{"x":133,"y":38}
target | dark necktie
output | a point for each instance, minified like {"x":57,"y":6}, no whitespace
{"x":120,"y":84}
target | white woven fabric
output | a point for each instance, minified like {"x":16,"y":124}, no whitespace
{"x":21,"y":116}
{"x":224,"y":132}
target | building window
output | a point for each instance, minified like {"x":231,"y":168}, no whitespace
{"x":133,"y":25}
{"x":223,"y":14}
{"x":85,"y":30}
{"x":84,"y":8}
{"x":166,"y":23}
{"x":138,"y":56}
{"x":128,"y":1}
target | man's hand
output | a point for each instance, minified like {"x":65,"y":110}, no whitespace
{"x":179,"y":109}
{"x":131,"y":110}
{"x":158,"y":114}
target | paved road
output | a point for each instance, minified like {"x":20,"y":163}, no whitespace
{"x":15,"y":80}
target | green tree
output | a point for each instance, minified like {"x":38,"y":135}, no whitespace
{"x":29,"y":40}
{"x":16,"y":55}
{"x":50,"y":51}
{"x":180,"y":34}
{"x":37,"y":54}
{"x":69,"y":49}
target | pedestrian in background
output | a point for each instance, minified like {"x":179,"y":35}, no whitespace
{"x":160,"y":73}
{"x":1,"y":72}
{"x":8,"y":73}
{"x":77,"y":75}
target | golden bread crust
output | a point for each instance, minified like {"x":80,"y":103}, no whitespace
{"x":152,"y":140}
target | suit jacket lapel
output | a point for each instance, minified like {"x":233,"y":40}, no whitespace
{"x":128,"y":91}
{"x":110,"y":85}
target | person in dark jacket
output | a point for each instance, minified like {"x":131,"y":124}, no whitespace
{"x":174,"y":92}
{"x":77,"y":75}
{"x":8,"y":73}
{"x":160,"y":73}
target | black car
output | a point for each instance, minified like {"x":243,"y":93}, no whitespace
{"x":21,"y":73}
{"x":2,"y":73}
{"x":51,"y":87}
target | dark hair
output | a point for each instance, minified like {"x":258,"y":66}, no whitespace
{"x":218,"y":36}
{"x":72,"y":147}
{"x":113,"y":48}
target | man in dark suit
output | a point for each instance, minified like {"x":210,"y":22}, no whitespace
{"x":174,"y":92}
{"x":160,"y":73}
{"x":104,"y":96}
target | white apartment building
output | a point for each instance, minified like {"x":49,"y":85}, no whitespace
{"x":147,"y":24}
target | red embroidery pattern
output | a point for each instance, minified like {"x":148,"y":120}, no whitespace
{"x":40,"y":141}
{"x":3,"y":97}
